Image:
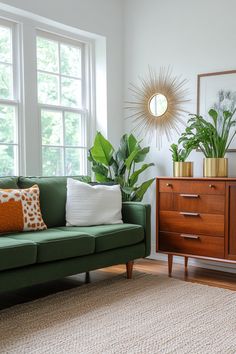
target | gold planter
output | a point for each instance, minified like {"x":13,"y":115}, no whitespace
{"x":215,"y":167}
{"x":183,"y":169}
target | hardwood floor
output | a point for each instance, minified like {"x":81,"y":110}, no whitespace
{"x":194,"y":274}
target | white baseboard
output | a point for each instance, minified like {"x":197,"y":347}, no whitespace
{"x":223,"y":267}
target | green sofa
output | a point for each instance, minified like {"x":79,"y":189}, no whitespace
{"x":30,"y":258}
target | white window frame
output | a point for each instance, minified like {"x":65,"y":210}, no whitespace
{"x":83,"y":110}
{"x":16,"y":100}
{"x":27,"y":24}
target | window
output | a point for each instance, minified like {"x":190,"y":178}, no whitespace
{"x":61,"y":99}
{"x":8,"y":101}
{"x":47,"y":101}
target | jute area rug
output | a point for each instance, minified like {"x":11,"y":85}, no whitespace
{"x":148,"y":314}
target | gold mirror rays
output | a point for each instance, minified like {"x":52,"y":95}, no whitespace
{"x":158,"y":104}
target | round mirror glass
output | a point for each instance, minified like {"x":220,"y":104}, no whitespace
{"x":158,"y":105}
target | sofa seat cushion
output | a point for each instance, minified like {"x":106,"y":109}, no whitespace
{"x":16,"y":253}
{"x":108,"y":237}
{"x":54,"y":244}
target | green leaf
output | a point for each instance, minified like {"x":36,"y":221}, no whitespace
{"x":120,"y":163}
{"x":119,"y":180}
{"x":100,"y":169}
{"x":127,"y":190}
{"x":102,"y":150}
{"x":130,"y":159}
{"x":122,"y":152}
{"x":214,"y":115}
{"x":101,"y":178}
{"x":175,"y":152}
{"x":141,"y":190}
{"x":115,"y":166}
{"x":132,"y":143}
{"x":134,"y":177}
{"x":140,"y":157}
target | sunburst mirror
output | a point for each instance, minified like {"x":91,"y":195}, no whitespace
{"x":158,"y":105}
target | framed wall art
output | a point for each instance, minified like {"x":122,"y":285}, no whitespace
{"x":217,"y":90}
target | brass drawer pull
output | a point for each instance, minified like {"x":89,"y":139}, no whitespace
{"x":211,"y":186}
{"x":168,"y":185}
{"x":185,"y":213}
{"x":190,"y":195}
{"x":192,"y":237}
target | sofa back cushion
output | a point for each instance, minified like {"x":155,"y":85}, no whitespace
{"x":8,"y":182}
{"x":52,"y":197}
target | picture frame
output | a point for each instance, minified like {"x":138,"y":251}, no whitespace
{"x":209,"y":86}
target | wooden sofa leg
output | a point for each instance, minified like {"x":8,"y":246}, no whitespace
{"x":129,"y":269}
{"x":87,"y":277}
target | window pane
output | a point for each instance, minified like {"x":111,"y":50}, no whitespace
{"x":47,"y":55}
{"x":70,"y":60}
{"x":52,"y":129}
{"x":48,"y":88}
{"x":8,"y":133}
{"x":6,"y":86}
{"x":73,"y":129}
{"x":8,"y":160}
{"x":74,"y":162}
{"x":52,"y":161}
{"x":70,"y":92}
{"x":5,"y":45}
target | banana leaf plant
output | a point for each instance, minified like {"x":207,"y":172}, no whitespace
{"x":121,"y":166}
{"x":212,"y":137}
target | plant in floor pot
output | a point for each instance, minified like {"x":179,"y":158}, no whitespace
{"x":213,"y":138}
{"x":121,"y":166}
{"x":181,"y":167}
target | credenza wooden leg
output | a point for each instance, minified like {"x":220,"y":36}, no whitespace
{"x":170,"y":263}
{"x":129,"y":269}
{"x":186,"y":264}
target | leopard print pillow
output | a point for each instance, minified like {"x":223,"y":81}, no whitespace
{"x":20,"y":210}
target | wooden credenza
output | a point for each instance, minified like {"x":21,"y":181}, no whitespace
{"x":196,"y":217}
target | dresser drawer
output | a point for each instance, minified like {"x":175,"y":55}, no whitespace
{"x":201,"y":203}
{"x":192,"y":187}
{"x":199,"y":245}
{"x":182,"y":222}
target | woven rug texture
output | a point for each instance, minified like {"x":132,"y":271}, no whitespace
{"x":148,"y":314}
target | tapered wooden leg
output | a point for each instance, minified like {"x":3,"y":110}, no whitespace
{"x":170,"y":263}
{"x":87,"y":277}
{"x":129,"y":269}
{"x":186,"y":264}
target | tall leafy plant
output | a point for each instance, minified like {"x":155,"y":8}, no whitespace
{"x":212,"y":137}
{"x":121,"y":166}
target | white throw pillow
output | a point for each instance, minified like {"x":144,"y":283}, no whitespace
{"x":88,"y":205}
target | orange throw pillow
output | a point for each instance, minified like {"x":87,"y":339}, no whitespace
{"x":20,"y":210}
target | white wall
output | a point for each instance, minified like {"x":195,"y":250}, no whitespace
{"x":193,"y":37}
{"x":103,"y":17}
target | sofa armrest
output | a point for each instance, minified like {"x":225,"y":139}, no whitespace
{"x":140,"y":214}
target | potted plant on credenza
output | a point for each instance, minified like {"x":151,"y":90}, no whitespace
{"x":213,"y":138}
{"x":181,"y":167}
